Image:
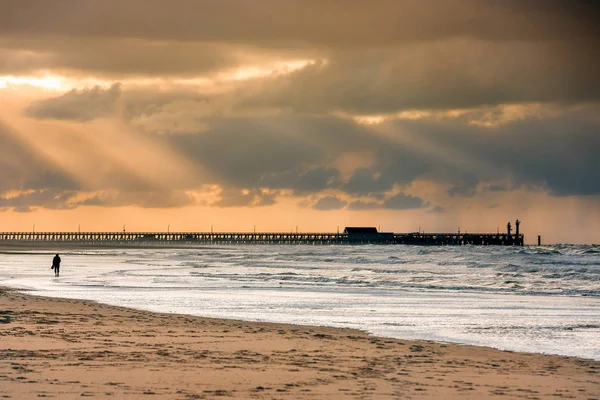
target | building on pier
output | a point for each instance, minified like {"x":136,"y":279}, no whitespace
{"x":367,"y":234}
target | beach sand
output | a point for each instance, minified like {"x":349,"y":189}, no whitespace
{"x":70,"y":349}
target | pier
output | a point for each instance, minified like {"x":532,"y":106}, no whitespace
{"x":349,"y":236}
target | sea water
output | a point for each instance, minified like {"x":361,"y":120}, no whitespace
{"x":537,"y":299}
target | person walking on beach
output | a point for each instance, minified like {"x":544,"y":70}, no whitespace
{"x":56,"y":265}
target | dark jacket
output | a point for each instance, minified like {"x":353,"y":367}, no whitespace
{"x":56,"y":261}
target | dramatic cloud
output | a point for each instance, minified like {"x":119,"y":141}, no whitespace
{"x":368,"y":181}
{"x":557,"y":153}
{"x":78,"y":105}
{"x":329,"y":203}
{"x":399,"y":201}
{"x":122,"y":57}
{"x":447,"y":74}
{"x":333,"y":23}
{"x":226,"y":105}
{"x":274,"y":152}
{"x":396,"y":55}
{"x":403,"y":201}
{"x":50,"y":198}
{"x":57,"y":199}
{"x":302,"y":154}
{"x":245,"y":198}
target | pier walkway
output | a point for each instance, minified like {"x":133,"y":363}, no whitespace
{"x":186,"y":238}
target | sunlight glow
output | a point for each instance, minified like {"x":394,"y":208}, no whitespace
{"x":48,"y":82}
{"x":253,"y":72}
{"x":244,"y":73}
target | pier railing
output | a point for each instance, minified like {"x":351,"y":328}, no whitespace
{"x":162,"y":238}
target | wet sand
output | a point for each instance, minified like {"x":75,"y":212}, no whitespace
{"x":69,"y":349}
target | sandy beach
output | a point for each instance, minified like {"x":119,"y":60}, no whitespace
{"x":69,"y":349}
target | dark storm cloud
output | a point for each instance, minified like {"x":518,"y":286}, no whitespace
{"x":455,"y":74}
{"x":317,"y":23}
{"x":496,"y":187}
{"x":403,"y":201}
{"x":254,"y":159}
{"x":466,"y":186}
{"x":556,"y":153}
{"x":298,"y":153}
{"x":303,"y":181}
{"x":247,"y":152}
{"x":148,"y":102}
{"x":292,"y":152}
{"x":370,"y":58}
{"x":399,"y":201}
{"x":78,"y":105}
{"x":381,"y":57}
{"x":366,"y":181}
{"x":329,"y":203}
{"x":55,"y":199}
{"x":49,"y":198}
{"x":448,"y":74}
{"x":273,"y":152}
{"x":287,"y":152}
{"x":232,"y":197}
{"x":120,"y":57}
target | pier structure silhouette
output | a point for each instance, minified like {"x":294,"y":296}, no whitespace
{"x":351,"y":235}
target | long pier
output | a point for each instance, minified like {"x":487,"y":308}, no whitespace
{"x":238,"y":238}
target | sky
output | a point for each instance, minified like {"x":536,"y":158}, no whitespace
{"x":235,"y":115}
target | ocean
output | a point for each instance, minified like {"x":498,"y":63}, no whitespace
{"x":536,"y":299}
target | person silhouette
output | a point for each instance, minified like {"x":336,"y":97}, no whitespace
{"x":56,"y":265}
